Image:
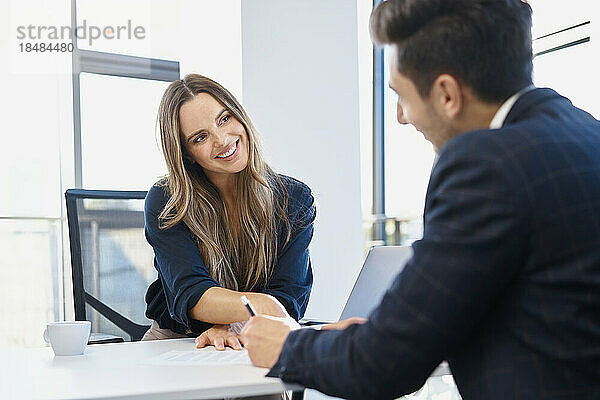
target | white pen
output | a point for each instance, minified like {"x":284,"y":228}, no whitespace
{"x":248,"y":306}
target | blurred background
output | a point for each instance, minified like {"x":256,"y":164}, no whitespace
{"x":309,"y":77}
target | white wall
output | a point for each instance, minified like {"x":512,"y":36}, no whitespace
{"x":301,"y":87}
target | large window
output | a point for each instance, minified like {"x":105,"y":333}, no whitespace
{"x":564,"y":41}
{"x":115,"y":102}
{"x":565,"y":61}
{"x":31,"y":174}
{"x":92,"y":125}
{"x":121,"y":152}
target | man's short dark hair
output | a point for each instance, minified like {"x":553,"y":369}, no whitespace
{"x":485,"y":44}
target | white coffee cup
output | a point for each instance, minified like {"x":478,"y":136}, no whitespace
{"x":68,"y":338}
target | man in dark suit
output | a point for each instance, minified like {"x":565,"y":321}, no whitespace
{"x":505,"y":283}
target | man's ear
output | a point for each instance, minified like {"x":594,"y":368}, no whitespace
{"x":447,"y":96}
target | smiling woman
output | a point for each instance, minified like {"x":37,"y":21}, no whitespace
{"x":220,"y":154}
{"x":221,"y":222}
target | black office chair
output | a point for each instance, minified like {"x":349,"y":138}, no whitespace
{"x":112,"y":264}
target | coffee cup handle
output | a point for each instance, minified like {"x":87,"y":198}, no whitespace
{"x":46,"y":338}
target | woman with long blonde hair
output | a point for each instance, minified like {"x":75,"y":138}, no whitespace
{"x":222,"y":224}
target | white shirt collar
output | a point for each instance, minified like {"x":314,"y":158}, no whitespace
{"x":505,"y":108}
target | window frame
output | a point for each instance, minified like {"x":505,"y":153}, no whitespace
{"x":557,"y":40}
{"x":111,"y":64}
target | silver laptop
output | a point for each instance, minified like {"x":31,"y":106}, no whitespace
{"x":381,"y":266}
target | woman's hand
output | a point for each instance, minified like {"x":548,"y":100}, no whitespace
{"x":218,"y":336}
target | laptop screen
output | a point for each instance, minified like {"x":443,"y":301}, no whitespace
{"x":381,"y":266}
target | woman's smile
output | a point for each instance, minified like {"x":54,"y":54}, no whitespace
{"x":230,"y":153}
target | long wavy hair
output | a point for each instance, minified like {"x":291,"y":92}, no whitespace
{"x":238,"y":259}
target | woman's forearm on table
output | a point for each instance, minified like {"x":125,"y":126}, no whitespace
{"x":223,"y":306}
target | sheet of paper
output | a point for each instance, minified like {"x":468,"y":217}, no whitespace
{"x":206,"y":356}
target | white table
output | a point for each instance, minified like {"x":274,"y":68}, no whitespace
{"x":122,"y":371}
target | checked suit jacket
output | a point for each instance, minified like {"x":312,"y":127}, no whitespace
{"x":505,"y":283}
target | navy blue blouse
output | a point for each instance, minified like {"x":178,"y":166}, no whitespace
{"x":183,"y":278}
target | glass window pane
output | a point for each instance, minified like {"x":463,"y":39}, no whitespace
{"x":117,"y":26}
{"x":29,"y":155}
{"x":582,"y":65}
{"x":29,"y":282}
{"x":119,"y":137}
{"x":552,"y":15}
{"x":117,"y":261}
{"x":204,"y":36}
{"x":569,"y":71}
